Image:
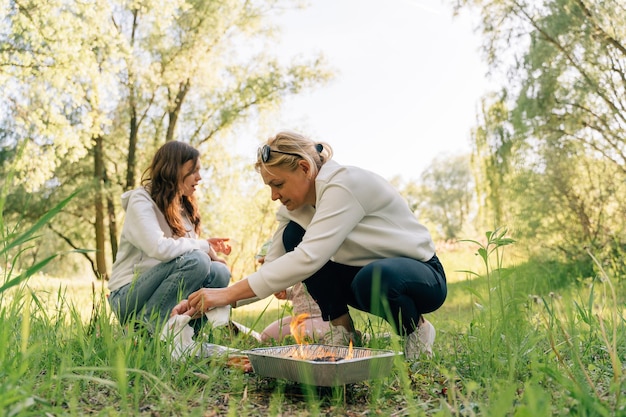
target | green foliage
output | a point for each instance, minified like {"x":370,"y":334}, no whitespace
{"x":241,"y":209}
{"x":550,"y":149}
{"x":526,"y":347}
{"x":16,"y":242}
{"x":556,"y":351}
{"x":90,"y":110}
{"x":443,"y":197}
{"x":490,"y":161}
{"x":16,"y":394}
{"x":586,"y":339}
{"x":507,"y":341}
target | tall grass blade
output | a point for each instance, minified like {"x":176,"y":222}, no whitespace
{"x":26,"y":274}
{"x":45,"y":219}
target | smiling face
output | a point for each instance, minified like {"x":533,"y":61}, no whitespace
{"x":189,"y":177}
{"x":294,"y":189}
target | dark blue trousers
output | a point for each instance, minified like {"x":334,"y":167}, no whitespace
{"x":399,"y":289}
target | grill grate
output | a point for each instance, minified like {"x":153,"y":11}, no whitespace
{"x":321,"y":365}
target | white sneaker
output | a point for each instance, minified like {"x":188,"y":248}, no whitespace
{"x":340,"y":336}
{"x":420,"y":341}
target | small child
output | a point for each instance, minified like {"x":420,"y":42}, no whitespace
{"x":312,"y":327}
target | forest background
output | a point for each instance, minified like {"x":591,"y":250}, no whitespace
{"x":81,"y":116}
{"x":87,"y":113}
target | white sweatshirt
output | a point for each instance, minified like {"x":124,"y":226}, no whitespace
{"x":358,"y":218}
{"x":147,"y":239}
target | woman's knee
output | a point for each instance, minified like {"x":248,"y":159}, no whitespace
{"x":292,"y":236}
{"x":380,"y":283}
{"x":369,"y":286}
{"x":219,"y":276}
{"x":196,"y":260}
{"x":193,"y":267}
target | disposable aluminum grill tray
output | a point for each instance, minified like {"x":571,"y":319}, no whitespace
{"x":321,"y":365}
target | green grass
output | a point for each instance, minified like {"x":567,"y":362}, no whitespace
{"x":514,"y":339}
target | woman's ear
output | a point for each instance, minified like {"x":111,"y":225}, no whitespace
{"x":306,"y":168}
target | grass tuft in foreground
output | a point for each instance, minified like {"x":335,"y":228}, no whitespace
{"x":512,"y":341}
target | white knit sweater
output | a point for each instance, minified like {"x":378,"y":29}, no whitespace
{"x":358,"y":218}
{"x":147,"y":239}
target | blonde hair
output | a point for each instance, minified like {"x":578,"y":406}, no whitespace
{"x":296,"y":147}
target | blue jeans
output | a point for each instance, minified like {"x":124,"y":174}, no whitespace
{"x":153,"y":294}
{"x":398,"y":290}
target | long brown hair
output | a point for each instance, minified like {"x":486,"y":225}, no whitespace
{"x":161,"y":180}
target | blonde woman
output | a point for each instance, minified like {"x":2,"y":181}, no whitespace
{"x":358,"y":244}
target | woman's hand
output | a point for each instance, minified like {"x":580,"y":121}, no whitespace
{"x":184,"y":308}
{"x":207,"y":298}
{"x":281,"y":295}
{"x":214,"y":257}
{"x":219,"y":244}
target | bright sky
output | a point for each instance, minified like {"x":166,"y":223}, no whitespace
{"x":408,"y":85}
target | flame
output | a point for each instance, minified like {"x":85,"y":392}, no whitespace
{"x":298,"y":331}
{"x":298,"y":328}
{"x":350,"y":354}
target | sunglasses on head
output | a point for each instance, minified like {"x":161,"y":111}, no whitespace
{"x":265,"y":151}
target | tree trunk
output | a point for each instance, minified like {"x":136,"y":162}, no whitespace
{"x":101,"y":266}
{"x":132,"y":148}
{"x":173,"y":113}
{"x":131,"y":165}
{"x":111,"y":216}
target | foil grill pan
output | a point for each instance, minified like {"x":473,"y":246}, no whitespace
{"x":321,"y":365}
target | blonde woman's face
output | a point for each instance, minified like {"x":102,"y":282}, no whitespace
{"x":189,"y":177}
{"x":294,"y":189}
